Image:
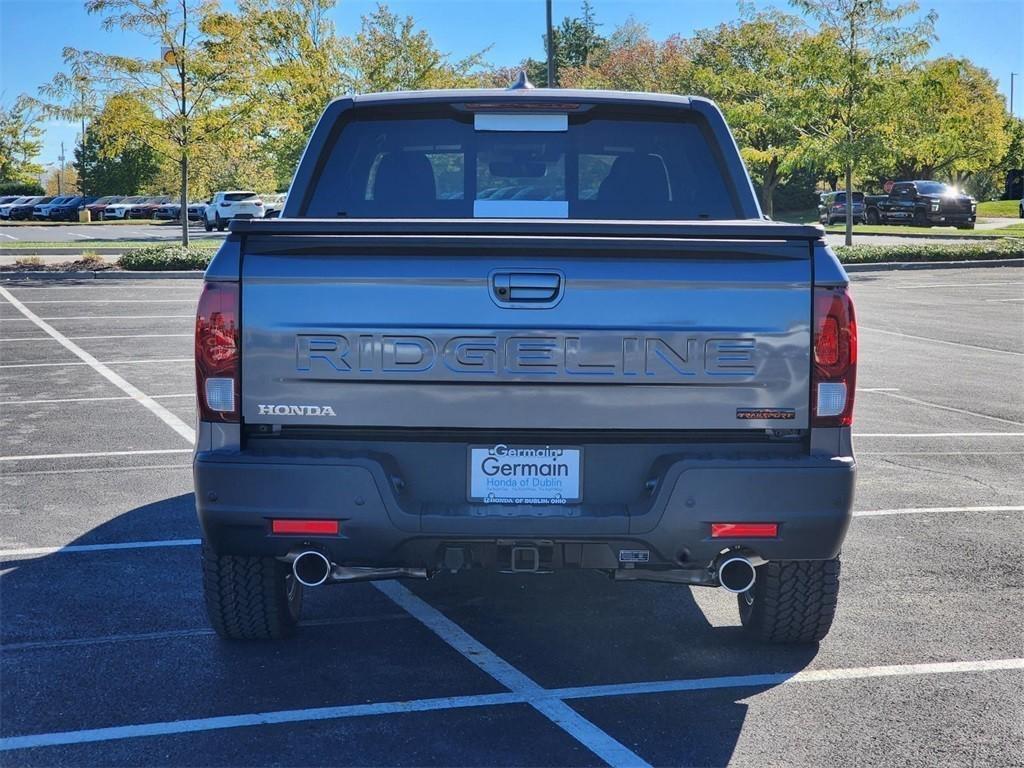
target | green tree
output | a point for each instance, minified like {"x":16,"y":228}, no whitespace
{"x":945,"y":118}
{"x":20,"y":141}
{"x":874,"y":37}
{"x":390,"y":54}
{"x":759,"y":71}
{"x":179,"y":84}
{"x":127,"y":168}
{"x":575,"y":43}
{"x":295,"y":64}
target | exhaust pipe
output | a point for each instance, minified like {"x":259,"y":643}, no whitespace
{"x":736,"y":574}
{"x":311,"y":568}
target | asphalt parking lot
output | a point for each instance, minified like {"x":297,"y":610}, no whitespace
{"x":69,"y":234}
{"x":107,"y":658}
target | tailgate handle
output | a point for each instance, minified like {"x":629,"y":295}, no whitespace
{"x":526,"y":288}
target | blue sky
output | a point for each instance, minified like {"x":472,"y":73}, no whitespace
{"x":34,"y":32}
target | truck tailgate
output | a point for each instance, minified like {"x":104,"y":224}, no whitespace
{"x":519,"y":332}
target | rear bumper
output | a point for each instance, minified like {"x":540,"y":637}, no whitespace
{"x":810,"y":498}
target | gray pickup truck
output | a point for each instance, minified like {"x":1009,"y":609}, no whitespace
{"x":524,"y":330}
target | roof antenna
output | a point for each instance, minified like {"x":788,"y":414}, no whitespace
{"x":522,"y":82}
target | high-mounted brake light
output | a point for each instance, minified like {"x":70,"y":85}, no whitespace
{"x":217,"y":353}
{"x":834,"y":370}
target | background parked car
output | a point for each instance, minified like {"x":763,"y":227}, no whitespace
{"x":923,"y":203}
{"x":42,"y":210}
{"x":167,"y":212}
{"x":68,"y":210}
{"x":832,"y":207}
{"x":8,"y":199}
{"x":5,"y":208}
{"x":147,"y":207}
{"x":119,"y":210}
{"x":229,"y":205}
{"x":22,"y":209}
{"x":272,"y":205}
{"x":97,"y":208}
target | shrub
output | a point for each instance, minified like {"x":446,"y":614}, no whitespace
{"x":166,"y":257}
{"x":976,"y":250}
{"x":28,"y":262}
{"x":20,"y":188}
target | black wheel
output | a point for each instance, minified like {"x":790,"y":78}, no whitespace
{"x":920,"y":219}
{"x":791,"y":601}
{"x":206,"y":224}
{"x":250,"y":598}
{"x":220,"y":222}
{"x":968,"y":225}
{"x":873,"y":217}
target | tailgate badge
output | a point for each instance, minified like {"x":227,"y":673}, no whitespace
{"x":295,"y":410}
{"x":786,"y":414}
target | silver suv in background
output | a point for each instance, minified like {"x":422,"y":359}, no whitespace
{"x":231,"y":205}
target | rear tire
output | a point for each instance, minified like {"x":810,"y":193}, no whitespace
{"x":791,"y":602}
{"x":220,"y":223}
{"x":207,"y":225}
{"x":968,"y":225}
{"x":872,"y":217}
{"x":250,"y":598}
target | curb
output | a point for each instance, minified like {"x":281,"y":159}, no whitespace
{"x":894,"y":265}
{"x":945,"y":237}
{"x":113,"y":274}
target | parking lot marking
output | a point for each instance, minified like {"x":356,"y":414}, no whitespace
{"x":942,"y":341}
{"x":91,"y":399}
{"x":9,"y":237}
{"x":788,"y":678}
{"x":104,"y":362}
{"x":946,"y":408}
{"x":96,"y":454}
{"x":938,"y":434}
{"x":925,"y":510}
{"x":111,"y":301}
{"x":168,"y":418}
{"x":99,"y":317}
{"x":555,"y":695}
{"x":88,"y":470}
{"x":16,"y":554}
{"x":558,"y":712}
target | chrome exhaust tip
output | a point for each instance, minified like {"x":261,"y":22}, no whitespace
{"x":311,"y":568}
{"x":736,"y":574}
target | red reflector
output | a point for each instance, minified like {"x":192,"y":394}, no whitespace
{"x":328,"y":527}
{"x":744,"y":530}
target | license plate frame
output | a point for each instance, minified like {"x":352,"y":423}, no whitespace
{"x":488,"y":483}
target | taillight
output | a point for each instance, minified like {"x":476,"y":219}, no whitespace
{"x":217,"y":352}
{"x":834,"y":374}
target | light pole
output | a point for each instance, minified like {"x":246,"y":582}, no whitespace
{"x":551,"y":49}
{"x":1012,"y":76}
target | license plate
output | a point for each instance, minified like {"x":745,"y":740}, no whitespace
{"x":525,"y":474}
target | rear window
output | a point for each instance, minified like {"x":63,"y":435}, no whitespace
{"x":602,"y":167}
{"x":238,"y":197}
{"x":858,"y":197}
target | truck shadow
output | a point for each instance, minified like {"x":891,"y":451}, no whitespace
{"x":88,"y":618}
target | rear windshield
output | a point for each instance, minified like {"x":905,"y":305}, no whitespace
{"x":609,"y":167}
{"x":237,"y":197}
{"x":858,"y":197}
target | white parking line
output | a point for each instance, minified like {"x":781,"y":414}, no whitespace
{"x":100,"y":317}
{"x":555,"y":695}
{"x":97,"y":454}
{"x":941,"y":341}
{"x":91,"y":399}
{"x":937,"y":510}
{"x":9,"y":237}
{"x":938,"y":434}
{"x":122,"y":336}
{"x":103,"y":362}
{"x":940,"y":407}
{"x":557,"y":711}
{"x":91,"y":470}
{"x":112,"y":301}
{"x":156,"y":544}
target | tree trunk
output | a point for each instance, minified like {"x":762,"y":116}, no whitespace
{"x":183,"y":213}
{"x":849,"y":204}
{"x":768,"y":187}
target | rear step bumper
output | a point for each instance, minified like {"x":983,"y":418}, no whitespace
{"x":810,"y":497}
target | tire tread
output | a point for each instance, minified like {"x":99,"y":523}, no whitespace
{"x":246,"y":597}
{"x":794,"y":601}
